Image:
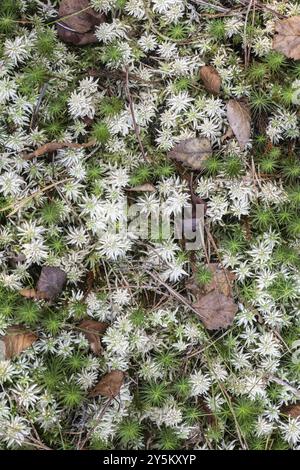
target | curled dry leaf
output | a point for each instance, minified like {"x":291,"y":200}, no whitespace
{"x":211,"y":79}
{"x":192,"y":152}
{"x":216,"y":310}
{"x":109,"y":386}
{"x":240,"y":122}
{"x":92,"y":330}
{"x":51,"y":282}
{"x":287,"y":39}
{"x":16,"y":340}
{"x":78,"y":21}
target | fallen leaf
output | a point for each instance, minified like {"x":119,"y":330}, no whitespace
{"x":78,"y":28}
{"x":222,"y":282}
{"x":216,"y":310}
{"x":51,"y":282}
{"x":291,"y":410}
{"x":109,"y":386}
{"x":211,"y":79}
{"x":192,"y":152}
{"x":16,"y":340}
{"x":239,"y":119}
{"x":287,"y":39}
{"x":147,"y":187}
{"x":92,"y":330}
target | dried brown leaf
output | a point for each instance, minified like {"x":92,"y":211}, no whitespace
{"x":211,"y":79}
{"x":51,"y":282}
{"x":216,"y":310}
{"x":78,"y":21}
{"x":192,"y":152}
{"x":147,"y":187}
{"x":240,"y":122}
{"x":109,"y":386}
{"x":16,"y":340}
{"x":222,"y":281}
{"x":92,"y":330}
{"x":287,"y":39}
{"x":291,"y":410}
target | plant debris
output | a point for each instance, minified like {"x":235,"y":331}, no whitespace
{"x":16,"y":340}
{"x":93,"y":330}
{"x":77,"y":22}
{"x":109,"y":386}
{"x":216,"y":310}
{"x":239,"y":119}
{"x":192,"y":152}
{"x":222,"y":281}
{"x":51,"y":282}
{"x":287,"y":39}
{"x":211,"y":79}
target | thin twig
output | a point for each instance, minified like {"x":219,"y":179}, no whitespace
{"x":211,"y":5}
{"x":53,"y":146}
{"x":173,"y":293}
{"x":38,"y":105}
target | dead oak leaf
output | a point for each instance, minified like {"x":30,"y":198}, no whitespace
{"x":287,"y":39}
{"x":291,"y":410}
{"x":192,"y":152}
{"x":211,"y":79}
{"x":92,"y":330}
{"x":77,"y":22}
{"x":216,"y":310}
{"x":16,"y":340}
{"x":109,"y":386}
{"x":51,"y":282}
{"x":239,"y":119}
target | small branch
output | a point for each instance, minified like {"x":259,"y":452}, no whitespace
{"x":211,"y":5}
{"x":53,"y":146}
{"x":38,"y":105}
{"x":173,"y":292}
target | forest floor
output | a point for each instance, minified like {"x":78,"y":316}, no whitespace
{"x":149,"y":224}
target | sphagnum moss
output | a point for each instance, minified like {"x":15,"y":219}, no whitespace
{"x":226,"y":390}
